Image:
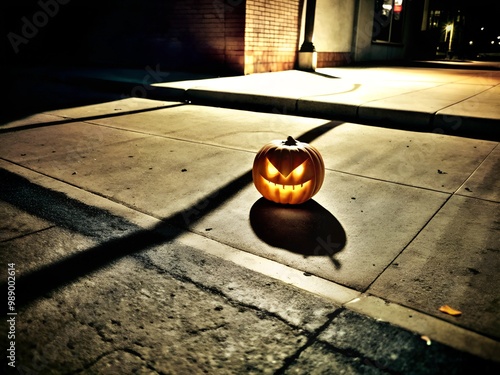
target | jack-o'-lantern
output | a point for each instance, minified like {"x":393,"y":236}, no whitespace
{"x":288,"y":171}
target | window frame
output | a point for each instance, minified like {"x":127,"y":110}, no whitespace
{"x":378,"y":22}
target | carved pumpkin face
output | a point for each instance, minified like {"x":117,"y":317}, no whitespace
{"x":288,"y":171}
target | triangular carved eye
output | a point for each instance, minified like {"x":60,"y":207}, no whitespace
{"x":299,"y":171}
{"x":285,"y":162}
{"x":272,"y":171}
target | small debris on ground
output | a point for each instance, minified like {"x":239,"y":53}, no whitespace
{"x":183,"y":170}
{"x":450,"y":310}
{"x":426,"y":339}
{"x":441,"y":172}
{"x":473,"y":270}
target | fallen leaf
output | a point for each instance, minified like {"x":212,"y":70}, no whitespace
{"x":450,"y":310}
{"x":426,"y":339}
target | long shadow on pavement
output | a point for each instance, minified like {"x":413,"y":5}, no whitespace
{"x":83,"y":119}
{"x":127,"y":238}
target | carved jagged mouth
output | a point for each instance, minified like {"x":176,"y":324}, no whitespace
{"x":283,"y":187}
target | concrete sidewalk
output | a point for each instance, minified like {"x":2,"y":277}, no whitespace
{"x":139,"y":241}
{"x":451,"y":101}
{"x":443,"y":97}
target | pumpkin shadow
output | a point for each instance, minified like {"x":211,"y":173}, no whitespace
{"x":308,"y":228}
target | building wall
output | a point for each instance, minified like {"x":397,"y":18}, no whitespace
{"x":198,"y":30}
{"x":217,"y":36}
{"x":192,"y":35}
{"x":234,"y":34}
{"x":333,"y":31}
{"x":366,"y":50}
{"x":271,"y":35}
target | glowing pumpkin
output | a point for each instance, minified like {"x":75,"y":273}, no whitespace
{"x":288,"y":171}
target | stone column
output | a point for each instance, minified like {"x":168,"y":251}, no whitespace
{"x":307,"y":54}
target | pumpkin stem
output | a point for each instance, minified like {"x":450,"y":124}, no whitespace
{"x":290,"y":141}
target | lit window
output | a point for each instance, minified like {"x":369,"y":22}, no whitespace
{"x":388,"y":21}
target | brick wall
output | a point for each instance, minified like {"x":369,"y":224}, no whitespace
{"x":197,"y":26}
{"x":239,"y":36}
{"x":187,"y":35}
{"x":271,"y":35}
{"x":234,"y":15}
{"x":209,"y":33}
{"x":329,"y":59}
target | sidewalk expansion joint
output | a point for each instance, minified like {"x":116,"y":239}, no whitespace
{"x":467,"y":98}
{"x":68,"y":120}
{"x":310,"y":341}
{"x":388,"y":181}
{"x":347,"y":353}
{"x":474,"y":171}
{"x":147,"y":263}
{"x":389,"y":264}
{"x":28,"y":234}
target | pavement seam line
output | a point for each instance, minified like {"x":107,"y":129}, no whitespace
{"x":148,"y":263}
{"x":349,"y":353}
{"x":460,"y":101}
{"x":432,"y":216}
{"x":28,"y":234}
{"x":69,"y":184}
{"x":68,"y":120}
{"x":387,"y":181}
{"x":366,"y":290}
{"x":167,"y":137}
{"x":310,"y":341}
{"x":474,"y":171}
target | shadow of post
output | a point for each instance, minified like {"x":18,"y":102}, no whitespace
{"x":116,"y":236}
